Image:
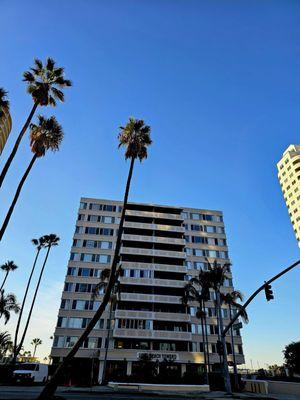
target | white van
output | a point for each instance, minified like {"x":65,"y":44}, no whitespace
{"x":31,"y":373}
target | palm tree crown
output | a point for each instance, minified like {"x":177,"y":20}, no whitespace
{"x":8,"y":303}
{"x":135,"y":136}
{"x":46,"y":135}
{"x":45,"y":82}
{"x":4,"y":103}
{"x":230,"y":299}
{"x":51,"y":240}
{"x":9,"y":266}
{"x":39,"y":243}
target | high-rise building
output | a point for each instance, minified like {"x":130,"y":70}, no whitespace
{"x":162,"y":248}
{"x":5,"y":128}
{"x":289,"y":179}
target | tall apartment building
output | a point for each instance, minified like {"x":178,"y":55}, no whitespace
{"x":162,"y":248}
{"x":289,"y":179}
{"x":5,"y":128}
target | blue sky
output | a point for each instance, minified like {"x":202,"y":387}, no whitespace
{"x":218,"y":81}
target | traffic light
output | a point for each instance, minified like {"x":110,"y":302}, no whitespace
{"x":269,"y":292}
{"x":220,"y":348}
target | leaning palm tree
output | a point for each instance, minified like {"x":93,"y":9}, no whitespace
{"x":8,"y":303}
{"x":49,"y":241}
{"x":135,"y":137}
{"x":44,"y":83}
{"x":230,"y":299}
{"x":47,"y":135}
{"x":39,"y":243}
{"x":36,"y":342}
{"x":7,"y":267}
{"x":4,"y":103}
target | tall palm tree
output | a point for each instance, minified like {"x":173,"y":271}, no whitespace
{"x":49,"y":241}
{"x":44,"y":83}
{"x":230,"y":299}
{"x":135,"y":137}
{"x":8,"y":303}
{"x":39,"y":243}
{"x":4,"y":103}
{"x":7,"y":267}
{"x":36,"y":342}
{"x":47,"y":135}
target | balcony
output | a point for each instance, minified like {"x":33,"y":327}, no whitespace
{"x":153,"y":239}
{"x":154,"y":227}
{"x":152,"y":214}
{"x":159,"y":316}
{"x":152,"y":252}
{"x":151,"y":334}
{"x":155,"y":267}
{"x":152,"y":282}
{"x":150,"y":298}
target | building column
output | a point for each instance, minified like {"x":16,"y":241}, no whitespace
{"x":101,"y":365}
{"x":129,"y":368}
{"x":183,"y":369}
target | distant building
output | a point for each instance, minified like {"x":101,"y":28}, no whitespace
{"x":289,"y":178}
{"x":162,"y":248}
{"x":5,"y":128}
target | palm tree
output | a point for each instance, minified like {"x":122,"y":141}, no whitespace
{"x":217,"y":275}
{"x":39,"y":243}
{"x":36,"y":342}
{"x":7,"y":267}
{"x":135,"y":137}
{"x":4,"y":103}
{"x":44,"y":84}
{"x":5,"y":343}
{"x":47,"y":135}
{"x":230,"y":299}
{"x":8,"y":303}
{"x":49,"y":241}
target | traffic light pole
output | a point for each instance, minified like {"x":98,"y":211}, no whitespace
{"x":262,"y":287}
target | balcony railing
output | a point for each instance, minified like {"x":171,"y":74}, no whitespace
{"x":152,"y":252}
{"x":155,"y":267}
{"x":150,"y":298}
{"x":152,"y":282}
{"x":157,"y":227}
{"x":153,"y":239}
{"x":151,"y":334}
{"x":159,"y":316}
{"x":152,"y":214}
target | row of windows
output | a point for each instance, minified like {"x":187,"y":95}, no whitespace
{"x":99,"y":218}
{"x":205,"y":240}
{"x":227,"y":282}
{"x":68,"y":304}
{"x":99,"y":207}
{"x":69,"y":341}
{"x":92,"y":230}
{"x":204,"y":228}
{"x":85,"y":272}
{"x":202,"y":217}
{"x":206,"y":253}
{"x":212,"y":348}
{"x":135,"y":323}
{"x":96,"y":244}
{"x":81,"y":288}
{"x":88,"y":257}
{"x":138,"y":273}
{"x":211,"y":330}
{"x":78,"y":323}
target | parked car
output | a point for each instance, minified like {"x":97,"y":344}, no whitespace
{"x":31,"y":373}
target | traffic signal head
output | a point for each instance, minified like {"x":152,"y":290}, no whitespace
{"x":220,"y":348}
{"x":269,"y":292}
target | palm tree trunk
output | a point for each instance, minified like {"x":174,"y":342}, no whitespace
{"x":206,"y":340}
{"x":15,"y":199}
{"x":103,"y":381}
{"x":34,"y":350}
{"x":218,"y":324}
{"x":236,"y":380}
{"x":22,"y":307}
{"x":225,"y":362}
{"x":4,"y":280}
{"x":204,"y":343}
{"x":51,"y":386}
{"x":33,"y":301}
{"x":17,"y":143}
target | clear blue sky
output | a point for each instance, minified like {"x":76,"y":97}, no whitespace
{"x":218,"y":81}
